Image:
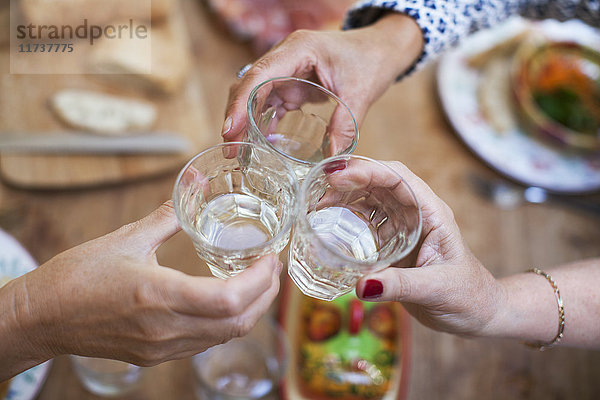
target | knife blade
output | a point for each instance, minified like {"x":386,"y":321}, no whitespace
{"x":85,"y":143}
{"x":508,"y":196}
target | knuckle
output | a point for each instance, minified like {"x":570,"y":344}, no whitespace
{"x":446,"y":211}
{"x":147,"y":303}
{"x":395,"y":164}
{"x":144,"y":294}
{"x":230,"y":304}
{"x":127,"y":230}
{"x":151,"y":335}
{"x":300,"y":35}
{"x":145,"y":356}
{"x":166,"y":209}
{"x":233,"y":89}
{"x":262,"y":64}
{"x":402,"y":289}
{"x":239,"y":103}
{"x":242,"y":326}
{"x":142,"y":362}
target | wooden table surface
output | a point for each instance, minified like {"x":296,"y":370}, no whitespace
{"x":406,"y":124}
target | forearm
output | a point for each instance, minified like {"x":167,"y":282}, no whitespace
{"x":445,"y":23}
{"x":442,"y":23}
{"x":529,"y":311}
{"x":400,"y":40}
{"x":21,"y":339}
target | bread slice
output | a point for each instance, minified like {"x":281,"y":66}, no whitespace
{"x":505,"y":48}
{"x":102,"y":113}
{"x":158,"y":65}
{"x":494,"y":95}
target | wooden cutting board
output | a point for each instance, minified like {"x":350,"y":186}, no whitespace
{"x":24,"y":108}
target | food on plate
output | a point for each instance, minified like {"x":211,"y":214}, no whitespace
{"x":381,"y":321}
{"x":494,"y":92}
{"x":504,"y":49}
{"x":323,"y":322}
{"x":567,"y":89}
{"x":557,"y":86}
{"x":158,"y":65}
{"x":102,"y":113}
{"x":343,"y":357}
{"x":494,"y":95}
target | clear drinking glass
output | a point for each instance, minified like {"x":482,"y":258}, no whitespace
{"x":356,"y":216}
{"x":237,"y":203}
{"x":106,"y":377}
{"x":300,"y":120}
{"x":249,"y":367}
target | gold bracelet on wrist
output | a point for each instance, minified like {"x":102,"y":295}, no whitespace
{"x":561,"y":313}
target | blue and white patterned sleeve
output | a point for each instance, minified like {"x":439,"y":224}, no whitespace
{"x":445,"y":22}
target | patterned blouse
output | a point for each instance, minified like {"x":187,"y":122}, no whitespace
{"x":445,"y":22}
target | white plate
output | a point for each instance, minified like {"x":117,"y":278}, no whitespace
{"x":14,"y":262}
{"x":514,"y":154}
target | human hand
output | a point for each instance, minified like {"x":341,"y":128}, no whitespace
{"x":110,"y":298}
{"x":357,"y":65}
{"x":448,"y":289}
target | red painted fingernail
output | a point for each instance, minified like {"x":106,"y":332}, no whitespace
{"x":373,"y":288}
{"x":333,"y":166}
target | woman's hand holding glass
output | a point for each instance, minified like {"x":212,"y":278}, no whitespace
{"x":448,"y":288}
{"x":110,"y":298}
{"x":357,"y":65}
{"x":442,"y":264}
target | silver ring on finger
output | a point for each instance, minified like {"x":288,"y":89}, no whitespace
{"x":243,"y":70}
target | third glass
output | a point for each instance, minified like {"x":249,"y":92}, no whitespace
{"x":300,"y":120}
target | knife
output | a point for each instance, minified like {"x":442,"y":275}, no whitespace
{"x":507,"y":196}
{"x":86,"y":143}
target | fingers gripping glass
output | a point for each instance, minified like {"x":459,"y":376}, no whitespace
{"x":237,"y":203}
{"x":355,"y":221}
{"x":300,"y":120}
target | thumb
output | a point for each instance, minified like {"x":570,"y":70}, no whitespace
{"x":150,"y":232}
{"x":409,"y":285}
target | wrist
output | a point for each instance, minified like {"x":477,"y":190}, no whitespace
{"x":24,"y":342}
{"x":526,"y":310}
{"x":16,"y":351}
{"x":500,"y":317}
{"x":401,"y":38}
{"x":40,"y":314}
